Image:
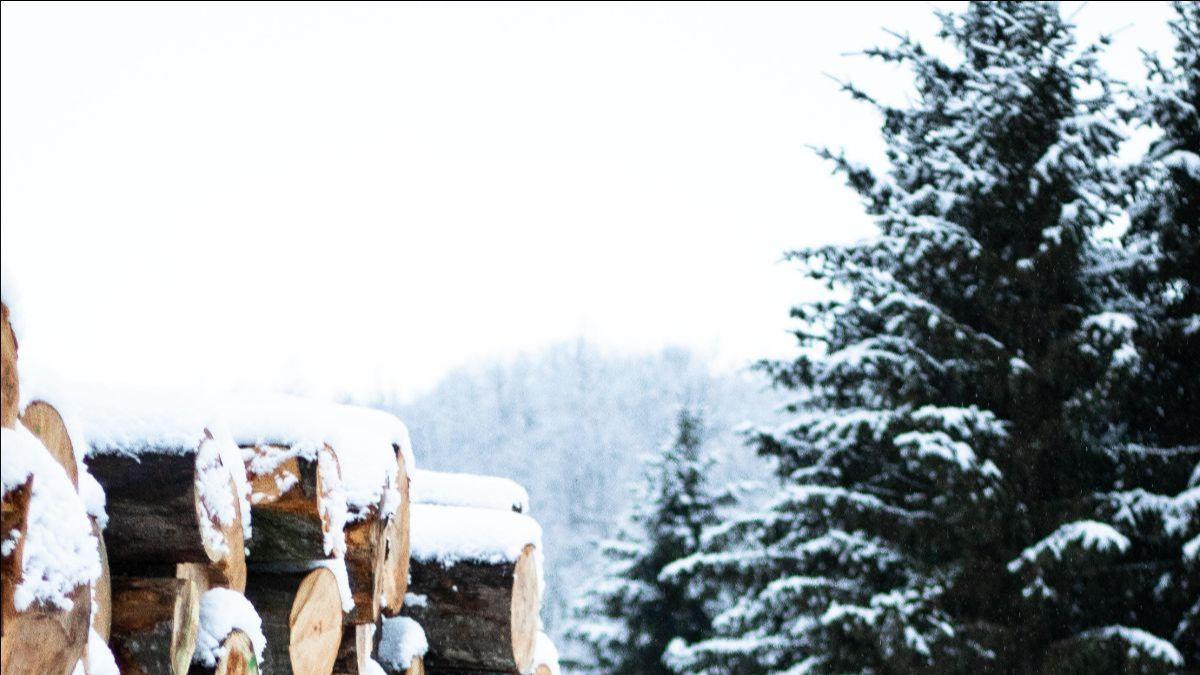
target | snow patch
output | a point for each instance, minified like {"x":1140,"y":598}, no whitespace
{"x":401,"y":641}
{"x":223,"y":611}
{"x":465,"y":489}
{"x":546,"y":654}
{"x":1086,"y":534}
{"x":364,"y":440}
{"x":60,"y":550}
{"x":450,"y":534}
{"x":1140,"y":643}
{"x":100,"y":660}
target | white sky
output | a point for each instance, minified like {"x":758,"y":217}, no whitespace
{"x":340,"y":198}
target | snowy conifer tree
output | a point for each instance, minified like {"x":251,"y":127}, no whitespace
{"x":945,"y":468}
{"x":629,"y":616}
{"x":1164,"y":401}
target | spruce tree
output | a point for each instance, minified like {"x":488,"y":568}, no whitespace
{"x":629,"y":616}
{"x":951,"y":445}
{"x":1162,"y":407}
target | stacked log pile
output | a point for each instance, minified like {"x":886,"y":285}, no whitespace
{"x":54,"y":590}
{"x":164,"y":532}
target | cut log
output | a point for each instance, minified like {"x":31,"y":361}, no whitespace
{"x":292,"y":505}
{"x":477,"y":615}
{"x":396,"y":538}
{"x":102,"y":589}
{"x":301,"y":616}
{"x":10,"y":387}
{"x":45,"y":640}
{"x":237,"y":658}
{"x":45,"y":611}
{"x":163,"y":509}
{"x":355,"y":650}
{"x":154,"y":625}
{"x":365,"y":566}
{"x":14,"y":521}
{"x":44,"y":421}
{"x":230,"y":638}
{"x":475,"y":587}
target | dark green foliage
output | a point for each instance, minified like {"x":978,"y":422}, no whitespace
{"x":959,"y":489}
{"x":1162,"y":409}
{"x":631,"y":614}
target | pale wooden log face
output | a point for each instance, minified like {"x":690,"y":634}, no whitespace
{"x":315,"y":624}
{"x":44,"y":422}
{"x":525,"y":608}
{"x":41,"y":641}
{"x":397,"y":551}
{"x":102,"y":589}
{"x":10,"y":390}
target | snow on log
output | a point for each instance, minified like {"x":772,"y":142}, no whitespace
{"x":297,"y":502}
{"x":465,"y":489}
{"x":155,"y":623}
{"x":366,"y":441}
{"x":49,"y":561}
{"x":400,"y":646}
{"x":230,"y":639}
{"x":172,"y":503}
{"x":366,"y":566}
{"x":374,"y":457}
{"x":236,"y":658}
{"x":10,"y":387}
{"x":100,"y":659}
{"x":475,"y":587}
{"x":545,"y":656}
{"x":301,"y":616}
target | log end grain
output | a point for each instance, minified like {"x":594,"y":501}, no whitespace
{"x":526,"y":604}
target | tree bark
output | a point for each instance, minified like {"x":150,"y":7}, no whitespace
{"x":10,"y":386}
{"x":290,"y":507}
{"x":301,"y":616}
{"x":155,"y":514}
{"x":14,"y":523}
{"x":238,"y":658}
{"x":154,"y":625}
{"x":476,"y":615}
{"x":356,"y":647}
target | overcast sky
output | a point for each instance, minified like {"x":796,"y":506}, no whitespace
{"x":342,"y":198}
